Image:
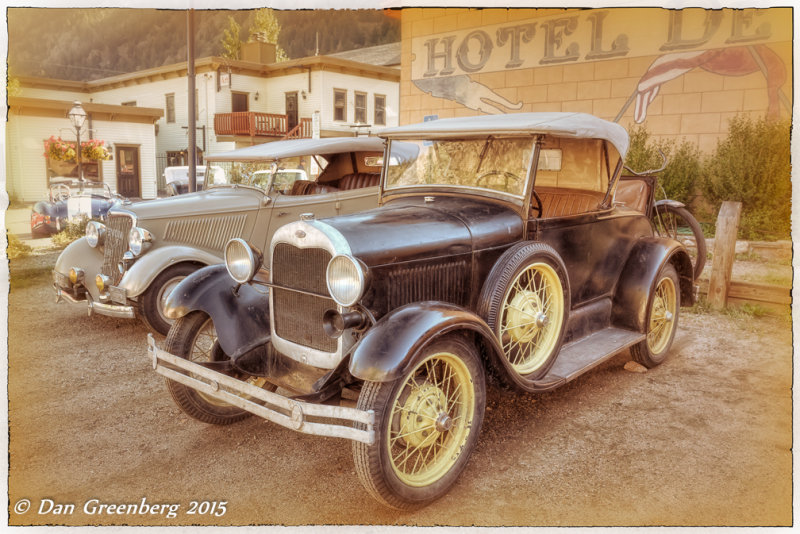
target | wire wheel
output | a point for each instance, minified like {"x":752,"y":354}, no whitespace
{"x":677,"y":223}
{"x":530,"y":324}
{"x":663,"y":313}
{"x":194,"y":338}
{"x":426,"y":424}
{"x":430,"y":420}
{"x":203,"y":350}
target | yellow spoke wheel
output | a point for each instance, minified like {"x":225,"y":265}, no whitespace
{"x":532,"y":314}
{"x":662,"y":319}
{"x":427,"y":423}
{"x":430,"y":419}
{"x":525,"y":301}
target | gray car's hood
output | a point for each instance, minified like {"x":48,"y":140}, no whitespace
{"x":215,"y":200}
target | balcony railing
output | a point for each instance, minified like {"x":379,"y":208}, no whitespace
{"x":254,"y":124}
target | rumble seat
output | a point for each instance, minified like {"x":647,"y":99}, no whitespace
{"x":359,"y":180}
{"x":560,"y":202}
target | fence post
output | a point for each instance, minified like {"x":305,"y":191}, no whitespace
{"x":724,"y":253}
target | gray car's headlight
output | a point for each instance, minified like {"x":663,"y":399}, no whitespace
{"x":242,"y":260}
{"x":95,"y":233}
{"x":346,"y":280}
{"x":138,"y":240}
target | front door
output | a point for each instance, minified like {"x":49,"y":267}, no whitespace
{"x":291,"y":111}
{"x":128,"y":171}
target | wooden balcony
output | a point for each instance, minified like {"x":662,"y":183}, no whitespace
{"x":254,"y":124}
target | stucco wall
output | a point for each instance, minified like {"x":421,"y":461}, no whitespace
{"x":690,"y":70}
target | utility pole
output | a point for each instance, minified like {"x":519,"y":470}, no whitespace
{"x":192,"y":119}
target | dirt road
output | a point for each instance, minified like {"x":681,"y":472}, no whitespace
{"x":704,"y":439}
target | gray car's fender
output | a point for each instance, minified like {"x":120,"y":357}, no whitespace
{"x":241,"y":317}
{"x":144,"y":270}
{"x":394,"y":345}
{"x":80,"y":254}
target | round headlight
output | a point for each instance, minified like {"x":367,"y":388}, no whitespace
{"x":345,"y":279}
{"x":95,"y":233}
{"x":241,"y":260}
{"x":138,"y":239}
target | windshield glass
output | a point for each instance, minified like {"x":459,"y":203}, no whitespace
{"x":256,"y":174}
{"x":496,"y":164}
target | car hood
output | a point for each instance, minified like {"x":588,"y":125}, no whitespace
{"x":410,"y":228}
{"x":215,"y":200}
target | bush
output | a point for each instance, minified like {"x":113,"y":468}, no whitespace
{"x":72,"y":231}
{"x":679,"y":180}
{"x":752,"y":165}
{"x":16,"y":248}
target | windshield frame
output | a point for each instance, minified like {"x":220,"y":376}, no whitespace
{"x":520,"y":200}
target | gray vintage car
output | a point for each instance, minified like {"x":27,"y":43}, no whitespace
{"x":128,"y":265}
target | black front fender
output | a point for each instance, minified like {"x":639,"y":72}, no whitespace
{"x":394,"y":345}
{"x":240,"y":317}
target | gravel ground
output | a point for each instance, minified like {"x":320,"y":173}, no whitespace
{"x":704,"y":439}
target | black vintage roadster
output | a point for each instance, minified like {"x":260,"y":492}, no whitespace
{"x":497,"y":250}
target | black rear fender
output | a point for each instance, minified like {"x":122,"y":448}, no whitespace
{"x":394,"y":345}
{"x":241,"y":316}
{"x":638,"y":280}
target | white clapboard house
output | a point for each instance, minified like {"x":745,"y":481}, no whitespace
{"x":143,"y":116}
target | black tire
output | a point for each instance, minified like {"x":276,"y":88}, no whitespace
{"x":411,"y":425}
{"x":193,"y":337}
{"x":676,"y":222}
{"x":510,"y":300}
{"x":151,"y":302}
{"x":663,"y":308}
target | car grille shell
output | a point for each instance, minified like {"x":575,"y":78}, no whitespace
{"x":299,"y":310}
{"x":116,"y":243}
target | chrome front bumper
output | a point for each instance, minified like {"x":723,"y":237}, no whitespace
{"x":289,"y":413}
{"x":111,"y":310}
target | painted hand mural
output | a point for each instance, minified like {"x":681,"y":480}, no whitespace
{"x":736,"y":61}
{"x":467,"y":92}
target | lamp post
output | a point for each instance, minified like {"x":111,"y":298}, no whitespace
{"x":77,"y":116}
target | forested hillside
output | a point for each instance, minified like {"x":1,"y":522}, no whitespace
{"x":86,"y":44}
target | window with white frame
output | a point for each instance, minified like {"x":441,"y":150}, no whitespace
{"x":339,"y":104}
{"x":170,"y":107}
{"x":380,"y":110}
{"x":361,"y":108}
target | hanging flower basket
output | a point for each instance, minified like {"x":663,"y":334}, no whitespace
{"x":56,"y":149}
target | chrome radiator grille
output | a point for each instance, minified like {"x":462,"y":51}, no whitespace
{"x":206,"y":232}
{"x":116,"y":243}
{"x":298,"y":316}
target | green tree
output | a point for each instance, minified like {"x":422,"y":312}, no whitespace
{"x":752,"y":165}
{"x":231,"y":43}
{"x":680,"y":178}
{"x":267,"y":29}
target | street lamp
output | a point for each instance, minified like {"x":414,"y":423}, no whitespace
{"x":77,"y":116}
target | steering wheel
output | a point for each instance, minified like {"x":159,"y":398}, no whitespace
{"x":508,"y":176}
{"x":59,"y":192}
{"x":538,"y":207}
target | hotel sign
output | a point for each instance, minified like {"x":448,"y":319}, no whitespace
{"x":593,"y":35}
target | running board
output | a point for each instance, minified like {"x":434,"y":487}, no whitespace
{"x":587,"y":353}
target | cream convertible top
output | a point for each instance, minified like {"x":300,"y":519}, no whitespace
{"x":300,"y":147}
{"x":576,"y":125}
